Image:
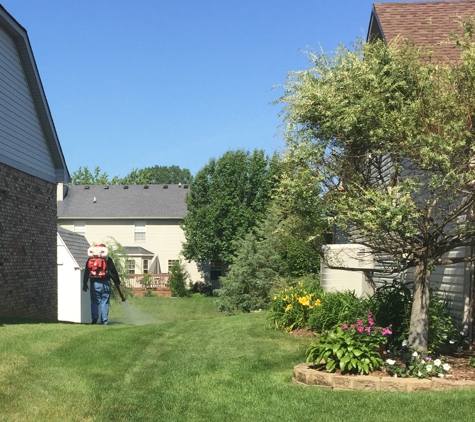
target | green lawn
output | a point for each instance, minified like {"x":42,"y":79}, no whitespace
{"x":188,"y":363}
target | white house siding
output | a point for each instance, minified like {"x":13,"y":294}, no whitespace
{"x":163,"y":237}
{"x":22,"y":143}
{"x":74,"y":305}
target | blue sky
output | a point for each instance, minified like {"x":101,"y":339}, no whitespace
{"x":138,"y":83}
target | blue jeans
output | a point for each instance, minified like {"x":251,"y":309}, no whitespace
{"x":100,"y":295}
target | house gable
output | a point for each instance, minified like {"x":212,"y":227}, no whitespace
{"x":28,"y":139}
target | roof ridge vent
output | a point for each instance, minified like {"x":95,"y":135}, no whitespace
{"x":86,"y":187}
{"x":185,"y":186}
{"x":165,"y":186}
{"x":126,"y":186}
{"x":106,"y":187}
{"x":145,"y":187}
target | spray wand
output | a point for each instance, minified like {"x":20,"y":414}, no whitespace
{"x":120,"y":292}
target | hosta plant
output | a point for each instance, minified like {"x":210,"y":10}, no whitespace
{"x":346,"y":349}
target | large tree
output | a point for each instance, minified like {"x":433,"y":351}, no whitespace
{"x":388,"y":135}
{"x":227,"y":198}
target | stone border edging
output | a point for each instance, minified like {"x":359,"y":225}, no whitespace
{"x":306,"y":375}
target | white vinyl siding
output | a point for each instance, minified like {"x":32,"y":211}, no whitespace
{"x":21,"y":138}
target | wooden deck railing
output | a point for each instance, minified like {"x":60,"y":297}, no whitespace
{"x":158,"y":282}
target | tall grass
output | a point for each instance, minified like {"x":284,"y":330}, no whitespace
{"x":193,"y":365}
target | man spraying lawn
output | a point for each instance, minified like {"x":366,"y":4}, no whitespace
{"x":100,"y":269}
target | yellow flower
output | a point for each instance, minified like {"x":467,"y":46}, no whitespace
{"x":318,"y":302}
{"x":304,"y":301}
{"x":288,"y":308}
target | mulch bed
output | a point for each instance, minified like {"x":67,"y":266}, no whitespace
{"x":460,"y":369}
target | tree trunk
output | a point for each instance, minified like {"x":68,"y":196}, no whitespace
{"x":419,"y":327}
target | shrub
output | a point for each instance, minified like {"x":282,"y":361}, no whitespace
{"x":336,"y":309}
{"x":293,"y":304}
{"x":392,"y":303}
{"x":179,"y":280}
{"x":248,"y":283}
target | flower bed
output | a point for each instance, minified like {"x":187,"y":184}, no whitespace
{"x":306,"y":374}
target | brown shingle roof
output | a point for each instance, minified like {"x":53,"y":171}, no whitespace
{"x":426,"y":23}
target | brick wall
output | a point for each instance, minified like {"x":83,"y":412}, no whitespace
{"x":28,"y":271}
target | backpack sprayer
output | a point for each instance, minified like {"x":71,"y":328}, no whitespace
{"x":97,"y":263}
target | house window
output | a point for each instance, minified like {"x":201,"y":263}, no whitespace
{"x":170,"y":264}
{"x":80,"y":227}
{"x":145,"y":266}
{"x":131,"y":266}
{"x":139,"y":231}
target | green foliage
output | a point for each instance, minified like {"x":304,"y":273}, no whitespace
{"x":179,"y":280}
{"x":387,"y":134}
{"x":157,"y":175}
{"x":293,"y":305}
{"x":299,"y":257}
{"x":227,"y":198}
{"x":348,"y":350}
{"x":442,"y":329}
{"x":83,"y":176}
{"x":119,"y":256}
{"x":273,"y":250}
{"x":147,"y":175}
{"x":248,"y":283}
{"x":417,"y":365}
{"x":147,"y":282}
{"x":336,"y":309}
{"x":392,"y":304}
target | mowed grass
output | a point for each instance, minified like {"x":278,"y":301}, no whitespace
{"x":190,"y":364}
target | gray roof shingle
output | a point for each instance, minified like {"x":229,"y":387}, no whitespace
{"x":77,"y":245}
{"x":137,"y":250}
{"x":117,"y":201}
{"x":426,"y":23}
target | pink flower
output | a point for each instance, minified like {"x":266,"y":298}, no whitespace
{"x":368,"y":330}
{"x":370,"y":321}
{"x":359,"y":322}
{"x":344,"y":327}
{"x":360,"y":329}
{"x":369,"y":314}
{"x":352,"y":326}
{"x":385,"y":331}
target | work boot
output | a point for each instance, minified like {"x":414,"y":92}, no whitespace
{"x":94,"y":320}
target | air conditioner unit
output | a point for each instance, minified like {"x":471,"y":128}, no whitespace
{"x":352,"y":256}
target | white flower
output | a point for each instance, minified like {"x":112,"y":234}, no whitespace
{"x":415,"y":354}
{"x":429,"y":368}
{"x":446,"y":367}
{"x":437,"y":362}
{"x":440,"y":375}
{"x":395,"y":375}
{"x":452,"y":341}
{"x":404,"y":343}
{"x":390,"y":362}
{"x":419,"y":374}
